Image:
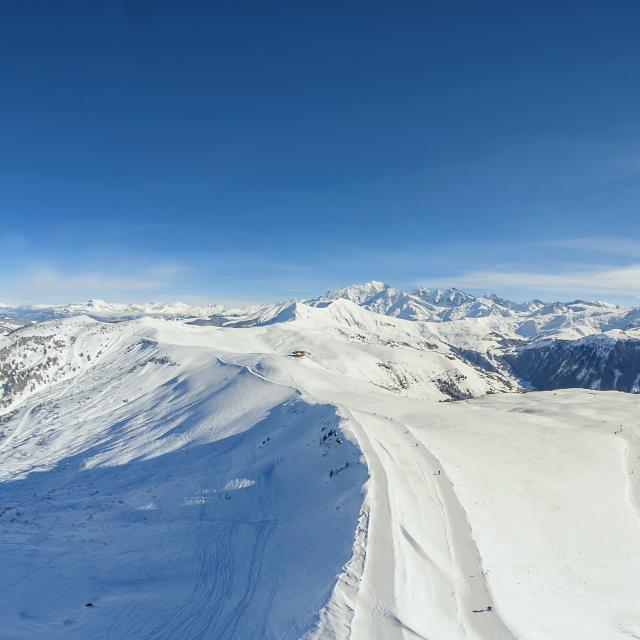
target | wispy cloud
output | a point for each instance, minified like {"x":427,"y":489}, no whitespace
{"x":618,"y":281}
{"x":46,"y":283}
{"x":618,"y":246}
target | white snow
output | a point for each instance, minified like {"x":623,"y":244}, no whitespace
{"x":200,"y":482}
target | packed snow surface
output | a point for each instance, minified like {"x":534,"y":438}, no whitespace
{"x":308,"y":477}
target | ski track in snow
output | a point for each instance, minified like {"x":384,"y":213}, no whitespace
{"x":405,"y":456}
{"x":631,"y":467}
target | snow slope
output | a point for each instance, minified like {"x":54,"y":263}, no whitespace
{"x":225,"y":507}
{"x":507,"y":501}
{"x":439,"y":547}
{"x":177,"y":494}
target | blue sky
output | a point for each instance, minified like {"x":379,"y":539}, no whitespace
{"x":255,"y":151}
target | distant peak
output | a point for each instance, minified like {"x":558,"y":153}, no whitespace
{"x":371,"y":285}
{"x":444,"y":297}
{"x":95,"y":302}
{"x":360,"y":292}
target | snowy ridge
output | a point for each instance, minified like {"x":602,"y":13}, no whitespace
{"x":171,"y":462}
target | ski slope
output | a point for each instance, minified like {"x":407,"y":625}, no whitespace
{"x":192,"y":482}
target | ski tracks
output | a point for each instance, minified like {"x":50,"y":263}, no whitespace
{"x":426,"y":566}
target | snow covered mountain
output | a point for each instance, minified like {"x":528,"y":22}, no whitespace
{"x":321,"y":469}
{"x":529,"y":319}
{"x":515,"y":338}
{"x":488,"y":332}
{"x":106,"y":311}
{"x":452,"y":304}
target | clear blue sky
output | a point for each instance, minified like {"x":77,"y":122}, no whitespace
{"x":236,"y":150}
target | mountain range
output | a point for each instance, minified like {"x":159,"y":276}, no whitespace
{"x":575,"y":344}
